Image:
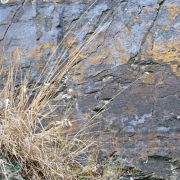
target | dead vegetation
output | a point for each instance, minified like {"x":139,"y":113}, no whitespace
{"x":44,"y":152}
{"x":41,"y":152}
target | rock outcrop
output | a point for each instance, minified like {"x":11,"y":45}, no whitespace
{"x":136,"y":51}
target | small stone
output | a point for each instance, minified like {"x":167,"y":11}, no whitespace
{"x":70,"y":90}
{"x":4,"y":1}
{"x":178,"y":117}
{"x":46,"y":84}
{"x":66,"y":96}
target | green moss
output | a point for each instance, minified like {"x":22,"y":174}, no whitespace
{"x":9,"y":169}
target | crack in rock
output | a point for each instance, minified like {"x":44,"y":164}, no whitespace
{"x":12,"y":19}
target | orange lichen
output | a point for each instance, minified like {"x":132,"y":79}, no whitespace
{"x":37,"y":53}
{"x":173,"y":11}
{"x":166,"y":51}
{"x":119,"y":48}
{"x":95,"y":60}
{"x":71,"y":40}
{"x":17,"y":52}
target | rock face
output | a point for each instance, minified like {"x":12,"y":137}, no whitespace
{"x":136,"y":51}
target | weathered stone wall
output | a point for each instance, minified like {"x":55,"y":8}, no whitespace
{"x":139,"y":36}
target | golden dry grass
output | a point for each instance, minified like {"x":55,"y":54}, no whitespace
{"x":42,"y":152}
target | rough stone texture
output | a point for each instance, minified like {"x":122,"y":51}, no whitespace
{"x":140,"y":36}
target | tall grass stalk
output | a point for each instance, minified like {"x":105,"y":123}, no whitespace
{"x":43,"y":152}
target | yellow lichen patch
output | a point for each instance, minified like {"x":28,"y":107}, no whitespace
{"x":95,"y":60}
{"x":158,"y":46}
{"x":109,"y":60}
{"x":166,"y":51}
{"x":99,"y":56}
{"x":119,"y":48}
{"x":1,"y":50}
{"x":73,"y":50}
{"x":164,"y":28}
{"x":70,"y":41}
{"x":77,"y":70}
{"x":3,"y":72}
{"x":81,"y":56}
{"x":37,"y":53}
{"x":169,"y":57}
{"x":148,"y":10}
{"x":52,"y":47}
{"x":94,"y":43}
{"x":88,"y":47}
{"x":92,"y":47}
{"x":173,"y":11}
{"x":124,"y":59}
{"x":136,"y":20}
{"x":78,"y":79}
{"x":17,"y":52}
{"x":3,"y":60}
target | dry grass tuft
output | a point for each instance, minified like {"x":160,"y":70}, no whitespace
{"x":45,"y":152}
{"x":42,"y":152}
